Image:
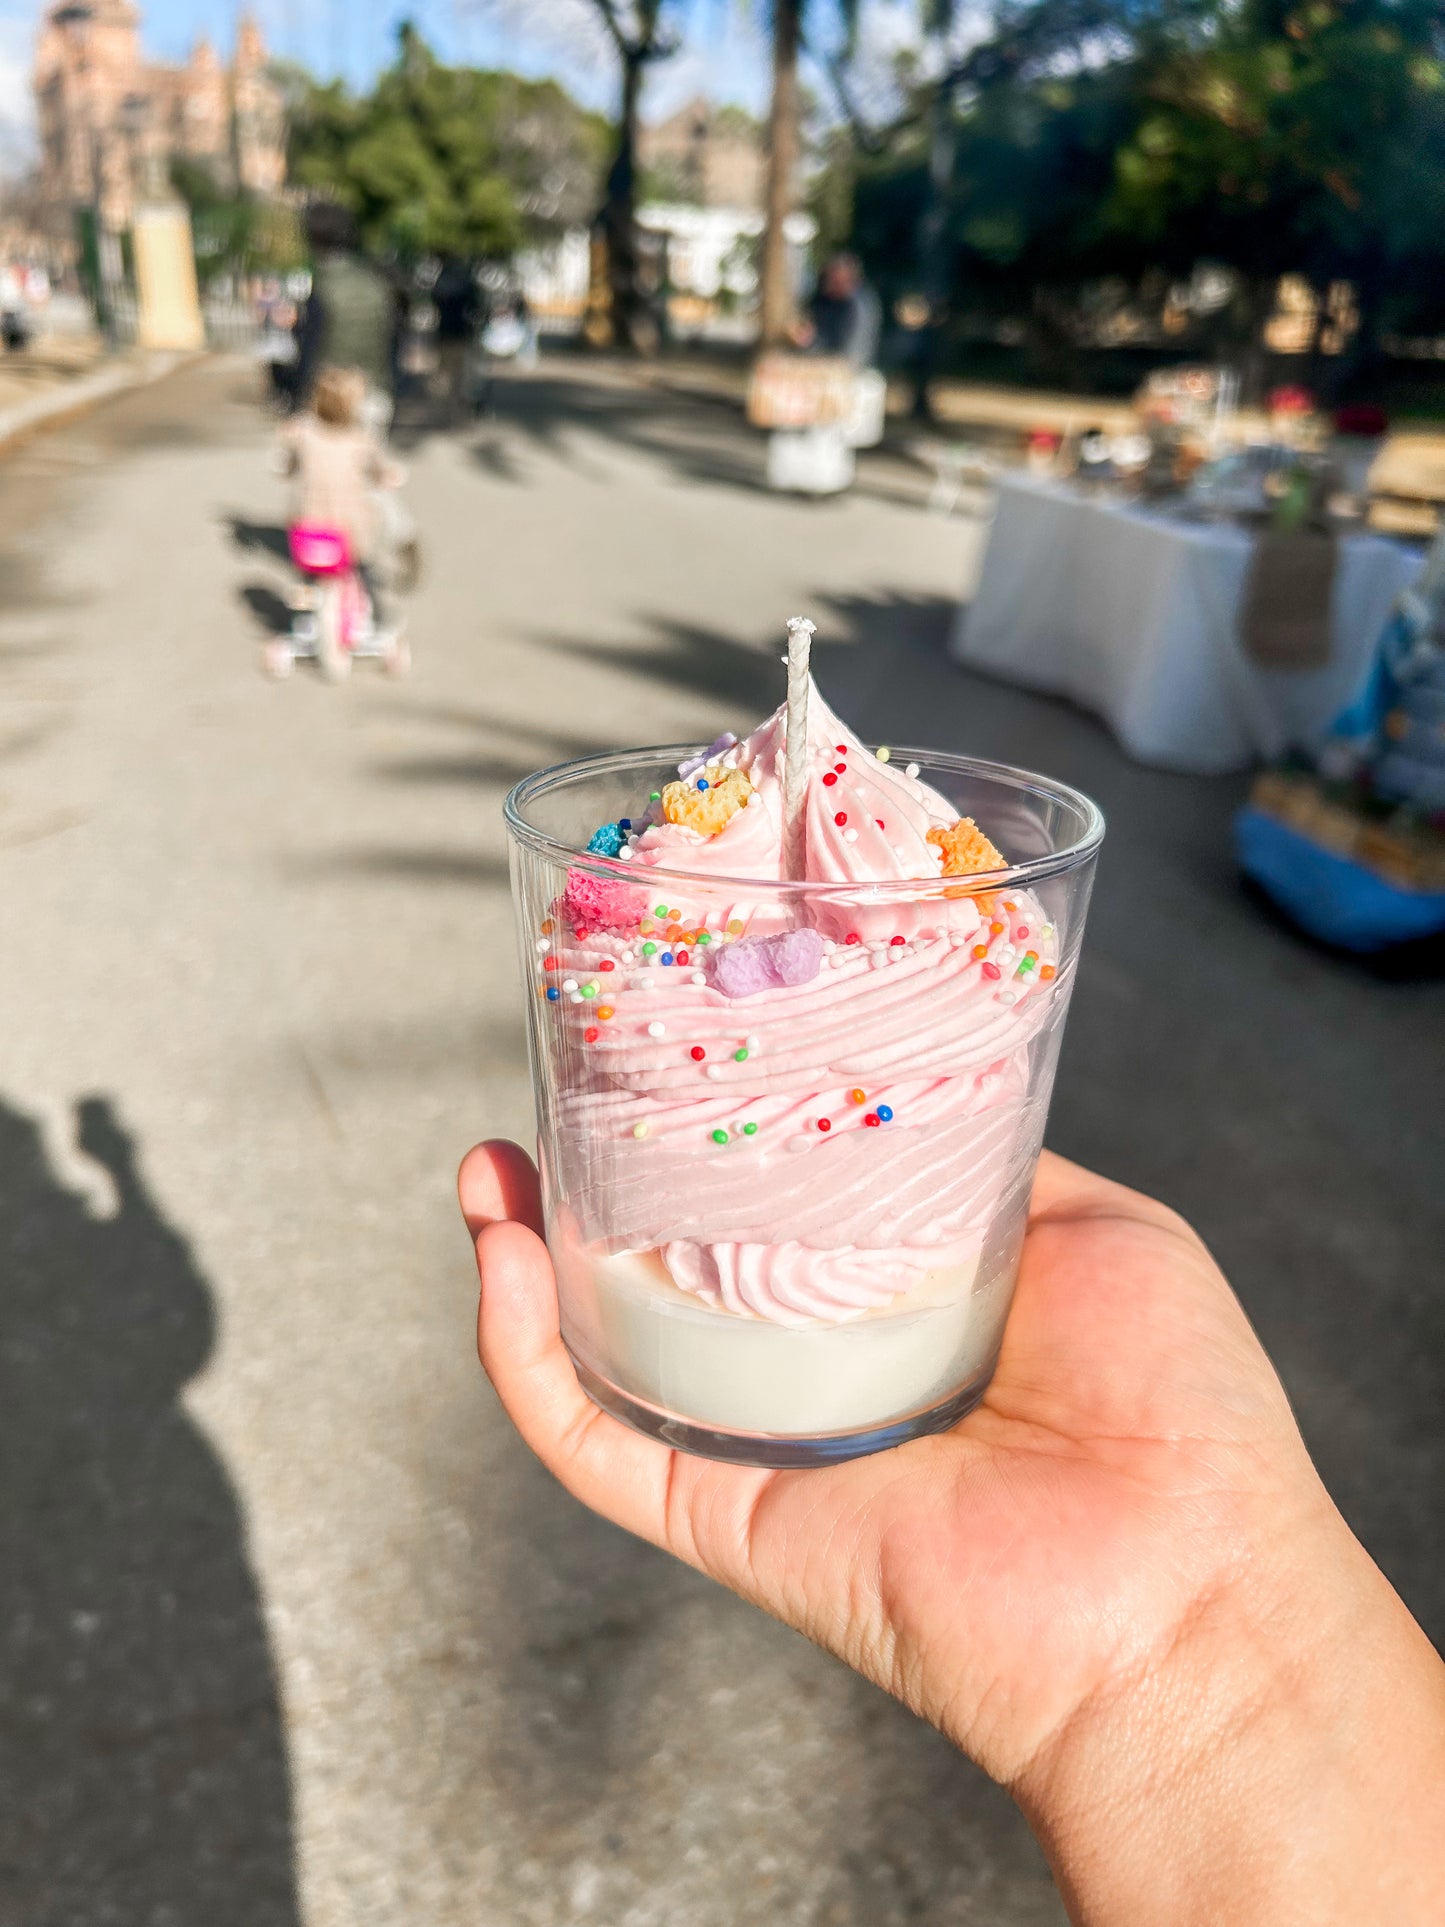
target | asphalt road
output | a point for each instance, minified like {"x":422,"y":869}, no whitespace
{"x":293,"y":1629}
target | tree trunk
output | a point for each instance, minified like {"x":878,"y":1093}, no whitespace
{"x":933,"y":243}
{"x":619,"y":216}
{"x":777,"y":293}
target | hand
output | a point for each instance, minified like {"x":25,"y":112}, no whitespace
{"x":1116,"y":1583}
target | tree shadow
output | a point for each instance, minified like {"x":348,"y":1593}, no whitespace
{"x":697,"y":440}
{"x":143,"y":1770}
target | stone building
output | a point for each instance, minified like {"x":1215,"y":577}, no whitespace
{"x":109,"y":118}
{"x":704,"y":156}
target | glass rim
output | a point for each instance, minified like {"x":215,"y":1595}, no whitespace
{"x":556,"y":776}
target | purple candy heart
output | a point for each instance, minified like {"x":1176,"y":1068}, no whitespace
{"x":751,"y":964}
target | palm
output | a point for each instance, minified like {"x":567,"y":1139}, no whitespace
{"x":998,"y":1575}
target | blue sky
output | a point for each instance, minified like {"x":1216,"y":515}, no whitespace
{"x":723,"y":55}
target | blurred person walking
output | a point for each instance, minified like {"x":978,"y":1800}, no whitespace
{"x":845,"y":318}
{"x":351,"y":315}
{"x":458,"y":303}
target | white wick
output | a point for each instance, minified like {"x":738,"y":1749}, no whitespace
{"x":795,"y":748}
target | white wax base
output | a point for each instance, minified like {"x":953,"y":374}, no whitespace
{"x":629,"y":1323}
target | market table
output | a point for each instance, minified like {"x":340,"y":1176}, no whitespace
{"x":1134,"y":614}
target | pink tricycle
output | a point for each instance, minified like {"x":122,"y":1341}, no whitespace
{"x":333,"y":620}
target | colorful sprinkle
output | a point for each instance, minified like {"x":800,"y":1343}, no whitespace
{"x":702,"y":782}
{"x":840,"y":769}
{"x":607,"y":964}
{"x":825,"y":1123}
{"x":1021,"y":932}
{"x":841,"y":817}
{"x":681,"y":957}
{"x":553,"y":993}
{"x":980,"y":950}
{"x":654,"y":796}
{"x":852,"y":937}
{"x":641,"y":1130}
{"x":605,"y":1011}
{"x":703,"y":937}
{"x":842,"y":748}
{"x":735,"y":926}
{"x":1047,"y":971}
{"x":740,"y":1055}
{"x":992,"y":970}
{"x":591,"y":1034}
{"x":719,"y":1137}
{"x":859,"y":1097}
{"x":872,"y":1118}
{"x":550,"y":963}
{"x":546,"y":926}
{"x":606,"y":840}
{"x":897,"y":940}
{"x":750,"y":1130}
{"x":885,"y":1113}
{"x":829,"y":778}
{"x":649,"y":950}
{"x":697,"y":1053}
{"x":589,"y":990}
{"x":655,"y":1029}
{"x":661,"y":911}
{"x":884,"y":755}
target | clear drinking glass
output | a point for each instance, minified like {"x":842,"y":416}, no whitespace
{"x":786,"y":1226}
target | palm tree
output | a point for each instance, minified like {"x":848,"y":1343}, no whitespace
{"x":777,"y":294}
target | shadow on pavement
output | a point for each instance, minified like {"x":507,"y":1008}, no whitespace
{"x":258,"y":538}
{"x":269,"y":607}
{"x":704,"y":441}
{"x":143,"y":1769}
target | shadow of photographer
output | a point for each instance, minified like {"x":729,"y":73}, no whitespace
{"x":143,"y":1770}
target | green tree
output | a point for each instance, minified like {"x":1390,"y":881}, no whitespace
{"x":442,"y":159}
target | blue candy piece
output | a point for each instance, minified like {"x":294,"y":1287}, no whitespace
{"x":885,"y":1113}
{"x":607,"y":841}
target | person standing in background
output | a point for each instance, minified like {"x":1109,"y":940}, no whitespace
{"x":351,"y":315}
{"x":458,"y":304}
{"x":845,"y":318}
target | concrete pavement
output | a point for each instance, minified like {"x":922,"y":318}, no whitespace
{"x":295,"y":1630}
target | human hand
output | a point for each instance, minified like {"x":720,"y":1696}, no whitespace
{"x":1116,"y":1582}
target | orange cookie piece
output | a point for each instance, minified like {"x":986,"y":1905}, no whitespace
{"x":966,"y":850}
{"x":710,"y":810}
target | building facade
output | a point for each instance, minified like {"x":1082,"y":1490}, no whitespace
{"x":704,"y":156}
{"x":110,"y":120}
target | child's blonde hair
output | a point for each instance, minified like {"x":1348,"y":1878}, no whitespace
{"x":338,"y":397}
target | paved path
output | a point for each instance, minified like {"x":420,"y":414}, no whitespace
{"x":295,"y":1631}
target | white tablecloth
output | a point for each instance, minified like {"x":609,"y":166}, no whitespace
{"x":1134,"y":615}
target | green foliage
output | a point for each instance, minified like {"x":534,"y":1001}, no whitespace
{"x":1268,"y":136}
{"x":444,"y":159}
{"x":235,"y":233}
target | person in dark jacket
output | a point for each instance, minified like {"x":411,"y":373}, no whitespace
{"x":350,"y":318}
{"x":458,"y":304}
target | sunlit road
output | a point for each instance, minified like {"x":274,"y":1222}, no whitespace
{"x":294,"y":1630}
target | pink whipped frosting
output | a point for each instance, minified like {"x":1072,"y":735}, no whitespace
{"x":817,"y":1214}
